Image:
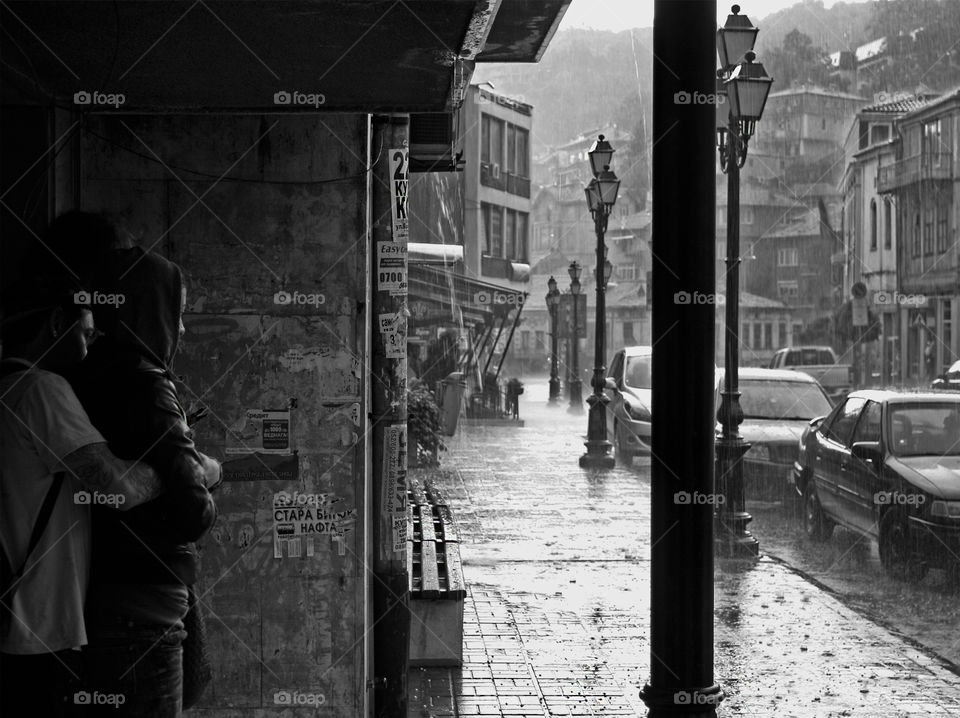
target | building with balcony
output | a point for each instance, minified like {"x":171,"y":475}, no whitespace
{"x":869,"y":228}
{"x":920,"y":181}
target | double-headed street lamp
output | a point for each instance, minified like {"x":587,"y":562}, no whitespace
{"x":576,"y":391}
{"x":746,"y":86}
{"x":553,"y":301}
{"x":601,"y":195}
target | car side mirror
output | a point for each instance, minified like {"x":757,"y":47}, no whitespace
{"x":609,"y":383}
{"x":868,"y":451}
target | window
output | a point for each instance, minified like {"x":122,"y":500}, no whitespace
{"x":915,"y":249}
{"x":523,"y":221}
{"x":787,"y":257}
{"x":887,"y":224}
{"x":879,"y":133}
{"x":525,"y":341}
{"x":745,"y":334}
{"x":510,"y":234}
{"x":946,"y":315}
{"x":868,"y":428}
{"x":789,"y":289}
{"x":841,"y":427}
{"x":523,"y":157}
{"x":485,"y":139}
{"x":928,"y":231}
{"x":746,"y":215}
{"x":942,"y":211}
{"x":782,"y":334}
{"x":797,"y":331}
{"x":757,"y":335}
{"x":626,"y":272}
{"x":511,"y":165}
{"x":873,"y":225}
{"x":492,"y":229}
{"x":628,"y":337}
{"x":496,"y":141}
{"x":932,"y":143}
{"x":541,"y":341}
{"x":768,"y":335}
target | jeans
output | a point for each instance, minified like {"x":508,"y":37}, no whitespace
{"x":134,"y":670}
{"x":47,"y":684}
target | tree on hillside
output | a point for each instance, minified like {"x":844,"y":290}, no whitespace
{"x":797,"y":61}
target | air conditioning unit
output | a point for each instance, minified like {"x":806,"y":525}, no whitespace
{"x":495,"y":171}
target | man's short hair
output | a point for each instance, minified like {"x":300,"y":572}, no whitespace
{"x":26,"y":308}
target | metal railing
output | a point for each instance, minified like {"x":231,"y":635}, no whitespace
{"x":926,"y":166}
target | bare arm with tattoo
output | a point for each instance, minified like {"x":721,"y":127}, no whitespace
{"x":99,"y":470}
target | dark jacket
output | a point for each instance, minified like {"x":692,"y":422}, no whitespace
{"x":126,"y":386}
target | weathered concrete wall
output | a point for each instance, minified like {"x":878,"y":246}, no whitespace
{"x":275,"y":623}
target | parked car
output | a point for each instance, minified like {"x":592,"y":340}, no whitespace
{"x":887,"y":464}
{"x":777,"y":405}
{"x":819,"y":362}
{"x":629,"y":385}
{"x":949,"y":380}
{"x":629,"y":413}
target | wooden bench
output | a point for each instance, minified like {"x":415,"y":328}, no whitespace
{"x":437,"y":588}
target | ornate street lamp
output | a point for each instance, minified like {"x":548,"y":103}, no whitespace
{"x":601,"y":196}
{"x":576,"y":390}
{"x":745,"y":87}
{"x":553,"y":301}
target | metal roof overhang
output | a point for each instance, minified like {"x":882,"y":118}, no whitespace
{"x":215,"y":56}
{"x":445,"y":291}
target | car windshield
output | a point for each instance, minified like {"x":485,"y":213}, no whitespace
{"x":637,"y":373}
{"x":777,"y":399}
{"x":925,"y":429}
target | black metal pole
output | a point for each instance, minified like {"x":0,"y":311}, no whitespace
{"x":598,"y":446}
{"x":554,"y":363}
{"x":682,"y":465}
{"x":732,"y":537}
{"x":576,"y":386}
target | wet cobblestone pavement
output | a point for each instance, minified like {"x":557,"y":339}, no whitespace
{"x":556,"y":561}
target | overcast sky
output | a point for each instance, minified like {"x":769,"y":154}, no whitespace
{"x":624,"y":14}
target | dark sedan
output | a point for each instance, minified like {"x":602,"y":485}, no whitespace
{"x":887,"y":464}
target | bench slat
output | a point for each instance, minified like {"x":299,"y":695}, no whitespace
{"x":430,"y":583}
{"x":426,"y":524}
{"x":456,"y":586}
{"x":450,"y":531}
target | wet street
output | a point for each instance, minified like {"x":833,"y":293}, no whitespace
{"x":556,"y":561}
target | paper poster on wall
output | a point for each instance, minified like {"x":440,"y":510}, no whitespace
{"x":262,"y":467}
{"x":261,"y":431}
{"x":392,"y":267}
{"x":393,"y":329}
{"x":395,"y":469}
{"x":304,"y":522}
{"x":398,"y":196}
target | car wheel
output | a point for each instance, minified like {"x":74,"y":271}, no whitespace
{"x":817,"y":526}
{"x":622,"y":455}
{"x":899,"y":553}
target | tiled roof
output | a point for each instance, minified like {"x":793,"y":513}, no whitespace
{"x":902,"y":105}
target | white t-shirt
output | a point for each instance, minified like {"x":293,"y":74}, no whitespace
{"x":41,"y":422}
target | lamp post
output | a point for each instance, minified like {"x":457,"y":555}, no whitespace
{"x":553,"y":301}
{"x":746,"y":87}
{"x":576,"y":390}
{"x":601,"y":195}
